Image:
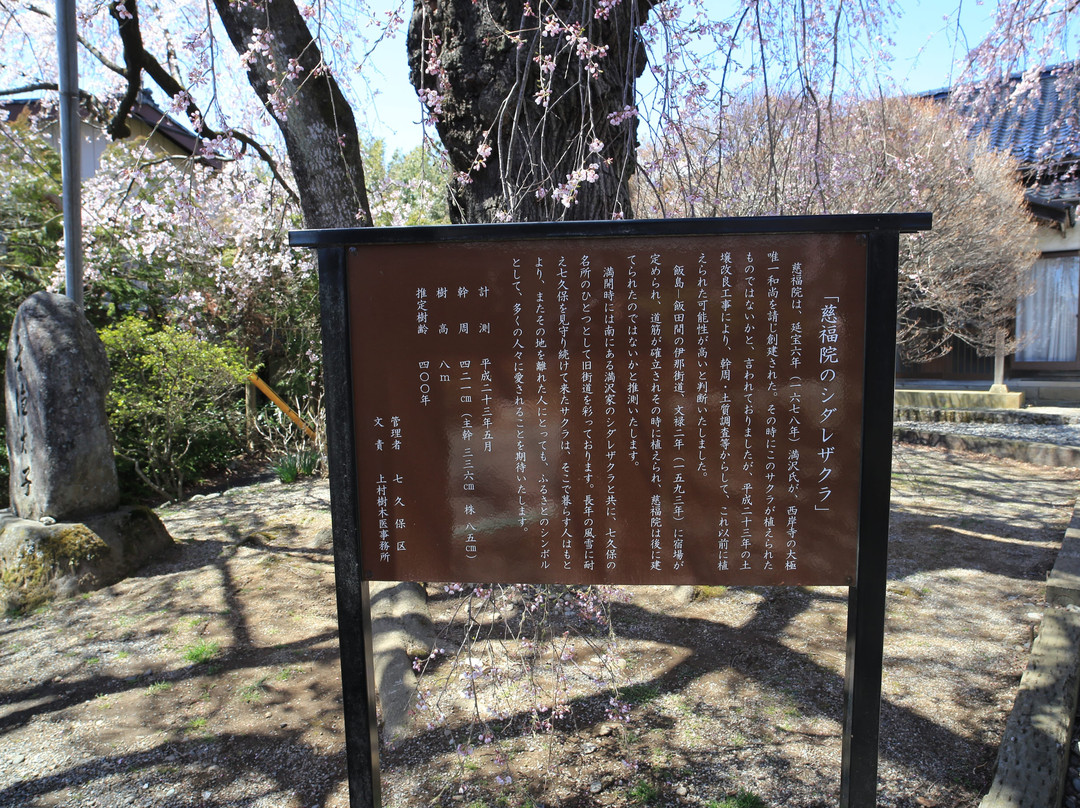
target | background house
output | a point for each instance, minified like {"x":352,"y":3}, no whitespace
{"x":1038,"y":122}
{"x":147,"y":121}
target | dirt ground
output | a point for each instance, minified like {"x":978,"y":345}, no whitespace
{"x":212,"y":679}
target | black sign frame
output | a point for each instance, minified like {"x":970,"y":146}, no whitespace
{"x":866,"y":601}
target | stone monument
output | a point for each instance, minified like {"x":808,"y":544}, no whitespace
{"x":57,"y":376}
{"x":64,"y":533}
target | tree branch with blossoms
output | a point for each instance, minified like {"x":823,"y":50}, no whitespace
{"x":138,"y":60}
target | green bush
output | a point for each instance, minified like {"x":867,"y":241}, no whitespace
{"x":744,"y":799}
{"x":174,"y":403}
{"x":291,"y":467}
{"x":287,"y":468}
{"x":30,"y":232}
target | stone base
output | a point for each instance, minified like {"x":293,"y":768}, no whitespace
{"x":958,"y":399}
{"x":40,"y":562}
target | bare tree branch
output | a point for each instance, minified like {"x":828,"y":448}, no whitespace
{"x":87,"y":44}
{"x":139,"y":60}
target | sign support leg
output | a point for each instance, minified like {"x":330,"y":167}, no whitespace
{"x":353,"y":598}
{"x":866,"y":598}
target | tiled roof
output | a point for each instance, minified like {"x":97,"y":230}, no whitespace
{"x":1038,"y":124}
{"x":145,"y":110}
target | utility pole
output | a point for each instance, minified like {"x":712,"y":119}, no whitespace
{"x":70,"y":162}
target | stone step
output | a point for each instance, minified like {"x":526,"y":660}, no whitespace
{"x":1042,"y":454}
{"x":984,"y":416}
{"x":958,"y":399}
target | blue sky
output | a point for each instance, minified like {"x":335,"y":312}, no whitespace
{"x":926,"y":47}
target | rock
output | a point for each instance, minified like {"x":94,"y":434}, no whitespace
{"x":401,"y":629}
{"x":681,"y":790}
{"x":59,"y":444}
{"x":683,"y":595}
{"x":588,"y":749}
{"x":41,"y":562}
{"x":596,"y":787}
{"x":406,"y":604}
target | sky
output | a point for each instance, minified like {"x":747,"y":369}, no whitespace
{"x":927,"y":45}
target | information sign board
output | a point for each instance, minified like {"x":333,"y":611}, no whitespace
{"x":637,"y":410}
{"x":697,"y":401}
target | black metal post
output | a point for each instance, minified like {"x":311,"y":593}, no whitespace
{"x":866,"y":598}
{"x":353,"y":599}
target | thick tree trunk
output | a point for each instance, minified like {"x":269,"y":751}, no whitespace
{"x":548,"y":90}
{"x":316,"y":121}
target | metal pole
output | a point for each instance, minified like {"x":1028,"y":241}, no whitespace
{"x":70,"y":163}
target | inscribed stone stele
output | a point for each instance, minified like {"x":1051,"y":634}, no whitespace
{"x":59,"y":443}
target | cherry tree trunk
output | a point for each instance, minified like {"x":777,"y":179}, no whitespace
{"x":535,"y":105}
{"x":315,"y":119}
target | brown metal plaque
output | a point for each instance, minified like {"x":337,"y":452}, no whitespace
{"x":669,"y":410}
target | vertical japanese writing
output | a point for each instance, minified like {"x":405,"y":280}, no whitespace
{"x":678,"y":380}
{"x":390,"y":513}
{"x":424,"y":384}
{"x":468,"y":465}
{"x":656,"y":357}
{"x":772,"y":359}
{"x":588,"y":415}
{"x":421,"y":311}
{"x":465,"y":402}
{"x":562,"y":293}
{"x":542,"y":418}
{"x":829,"y":356}
{"x":22,"y":420}
{"x":400,"y":522}
{"x":750,"y":335}
{"x":794,"y":432}
{"x":518,"y":348}
{"x":633,"y":365}
{"x":487,"y":437}
{"x":698,"y":387}
{"x":441,"y":294}
{"x":723,"y":533}
{"x":701,"y":398}
{"x":382,"y":510}
{"x":611,"y":548}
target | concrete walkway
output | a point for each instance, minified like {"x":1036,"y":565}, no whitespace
{"x":1033,"y":758}
{"x":1034,"y":755}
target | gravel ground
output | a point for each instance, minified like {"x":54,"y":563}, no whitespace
{"x":107,"y":700}
{"x":1060,"y":435}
